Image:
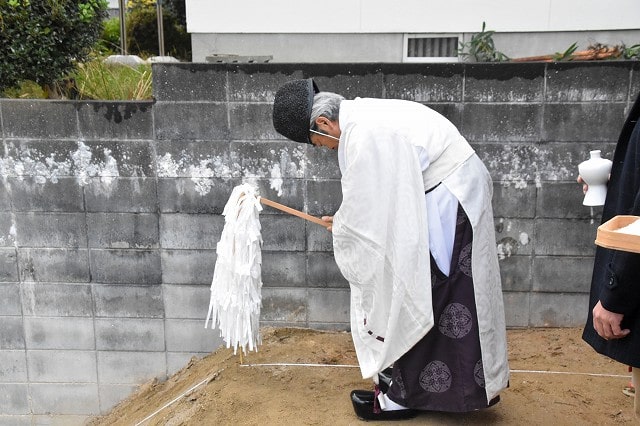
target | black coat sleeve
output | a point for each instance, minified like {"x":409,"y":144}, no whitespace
{"x":621,"y":292}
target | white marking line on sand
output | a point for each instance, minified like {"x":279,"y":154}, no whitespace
{"x":571,"y":373}
{"x":284,"y":364}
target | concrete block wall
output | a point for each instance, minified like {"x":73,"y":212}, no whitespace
{"x":110,"y":212}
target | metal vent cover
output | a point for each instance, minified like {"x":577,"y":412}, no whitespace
{"x":430,"y":48}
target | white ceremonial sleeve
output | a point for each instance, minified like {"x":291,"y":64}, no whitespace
{"x":381,"y":245}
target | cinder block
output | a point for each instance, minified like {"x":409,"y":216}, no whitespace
{"x":283,"y":233}
{"x":51,"y":230}
{"x":128,"y":301}
{"x":287,"y":191}
{"x":194,"y":160}
{"x":39,"y":119}
{"x":13,"y":367}
{"x":564,"y":237}
{"x":126,"y":334}
{"x":8,"y":267}
{"x":562,"y":200}
{"x":184,"y":121}
{"x":329,"y":305}
{"x":283,"y":269}
{"x":364,"y":80}
{"x":558,"y":309}
{"x":112,"y":395}
{"x":257,"y":82}
{"x":323,"y":197}
{"x":322,"y":271}
{"x":514,"y":237}
{"x":635,"y":84}
{"x":188,"y":266}
{"x":137,"y":195}
{"x":5,"y":199}
{"x":186,"y":301}
{"x":71,"y":333}
{"x":515,"y":273}
{"x":321,"y":163}
{"x":452,"y":112}
{"x":116,"y":367}
{"x":17,"y":420}
{"x":42,"y":194}
{"x":502,"y":122}
{"x":14,"y":399}
{"x":64,"y":398}
{"x":132,"y":158}
{"x":190,"y":231}
{"x":190,"y":336}
{"x":122,"y":230}
{"x":284,"y":306}
{"x":516,"y":308}
{"x":587,"y":82}
{"x":588,"y":119}
{"x":57,"y":300}
{"x":110,"y":120}
{"x":504,"y":82}
{"x":319,"y":239}
{"x":194,"y":195}
{"x":251,"y":122}
{"x":271,"y":160}
{"x":561,"y":274}
{"x":62,"y":366}
{"x":513,"y":201}
{"x":54,"y":265}
{"x":520,"y":165}
{"x":11,"y":333}
{"x":424,"y":82}
{"x":126,"y":266}
{"x":189,"y":82}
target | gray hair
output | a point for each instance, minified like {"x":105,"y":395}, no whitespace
{"x":325,"y":104}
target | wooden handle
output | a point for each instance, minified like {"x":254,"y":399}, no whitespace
{"x":294,"y":212}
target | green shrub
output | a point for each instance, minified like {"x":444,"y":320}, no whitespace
{"x":142,"y":31}
{"x":109,"y":43}
{"x":481,"y":48}
{"x":41,"y":40}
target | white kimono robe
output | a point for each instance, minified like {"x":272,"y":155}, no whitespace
{"x":381,"y":231}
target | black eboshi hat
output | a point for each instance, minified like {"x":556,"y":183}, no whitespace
{"x":292,"y":109}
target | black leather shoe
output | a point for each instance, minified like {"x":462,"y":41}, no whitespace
{"x":362,"y":401}
{"x":384,"y":379}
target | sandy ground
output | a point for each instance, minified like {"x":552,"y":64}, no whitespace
{"x":579,"y":388}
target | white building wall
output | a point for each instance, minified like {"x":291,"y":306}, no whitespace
{"x":374,"y":30}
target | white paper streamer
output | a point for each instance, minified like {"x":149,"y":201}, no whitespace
{"x":237,"y":282}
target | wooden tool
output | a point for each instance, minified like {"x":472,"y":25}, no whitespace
{"x":294,"y":212}
{"x":609,"y":236}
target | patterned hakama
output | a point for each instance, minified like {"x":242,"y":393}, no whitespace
{"x":443,"y":371}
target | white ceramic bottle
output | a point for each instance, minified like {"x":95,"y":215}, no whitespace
{"x":595,"y":172}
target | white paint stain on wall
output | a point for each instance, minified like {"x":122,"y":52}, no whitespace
{"x":79,"y":164}
{"x":524,"y":164}
{"x":276,"y":179}
{"x":277,"y":167}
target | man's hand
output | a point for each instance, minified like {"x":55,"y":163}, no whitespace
{"x":329,"y":220}
{"x":607,"y":323}
{"x":585,"y":187}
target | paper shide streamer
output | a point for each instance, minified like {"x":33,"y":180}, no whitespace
{"x":237,"y":281}
{"x":235,"y":289}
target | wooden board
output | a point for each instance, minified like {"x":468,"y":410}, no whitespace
{"x":607,"y":236}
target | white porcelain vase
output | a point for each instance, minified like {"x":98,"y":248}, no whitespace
{"x":595,"y":172}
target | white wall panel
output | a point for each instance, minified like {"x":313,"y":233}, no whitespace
{"x":402,"y":16}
